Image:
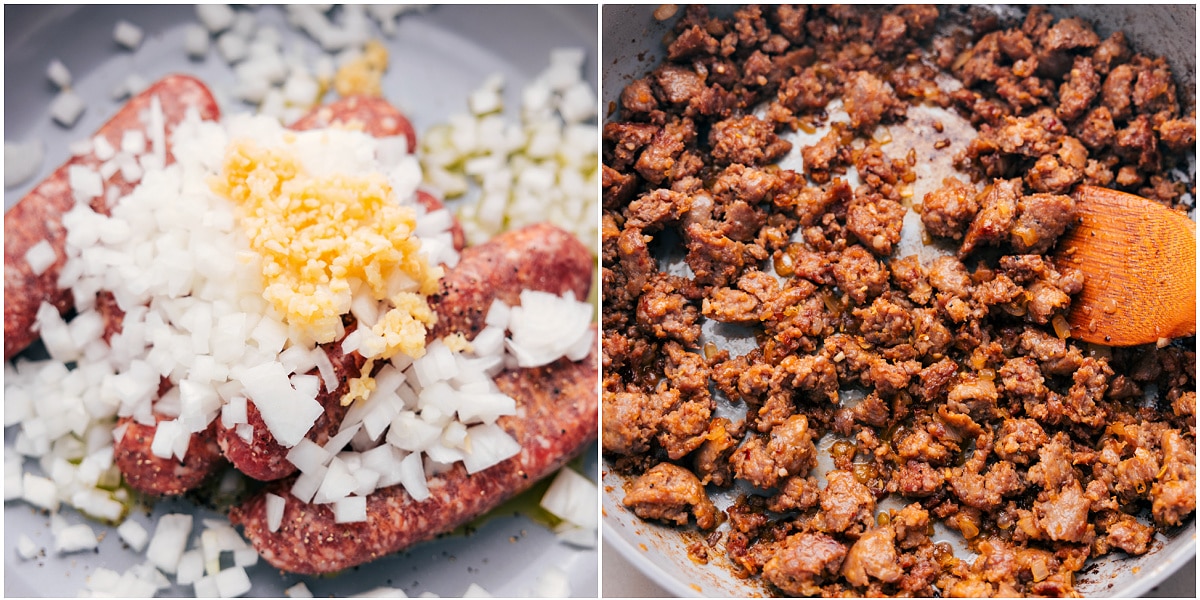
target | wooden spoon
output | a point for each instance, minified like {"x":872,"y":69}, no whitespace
{"x":1139,"y":261}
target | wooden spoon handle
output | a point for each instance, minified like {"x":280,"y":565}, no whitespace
{"x":1139,"y":261}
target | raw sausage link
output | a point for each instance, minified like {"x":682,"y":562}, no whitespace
{"x":38,"y":216}
{"x":556,"y":419}
{"x":538,"y":257}
{"x":149,"y":474}
{"x":375,"y":115}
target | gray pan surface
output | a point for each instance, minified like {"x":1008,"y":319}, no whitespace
{"x":437,"y":58}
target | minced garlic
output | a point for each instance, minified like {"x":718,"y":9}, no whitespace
{"x":457,"y":342}
{"x":361,"y":386}
{"x":363,"y":75}
{"x":316,"y":235}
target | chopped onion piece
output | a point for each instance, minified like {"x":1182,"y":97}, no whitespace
{"x":206,"y":587}
{"x":308,"y":456}
{"x":545,"y":326}
{"x":26,"y":549}
{"x":191,"y":567}
{"x":339,"y":441}
{"x":412,"y":433}
{"x":553,"y":583}
{"x":40,"y":492}
{"x":337,"y":483}
{"x":57,"y":72}
{"x":475,"y":591}
{"x":275,"y":505}
{"x":127,"y":34}
{"x":66,"y":108}
{"x":167,"y":439}
{"x":234,"y":412}
{"x":411,"y":474}
{"x":21,"y":161}
{"x":572,"y":497}
{"x":307,"y":484}
{"x":232,"y":582}
{"x":287,"y":413}
{"x":75,"y":538}
{"x":170,"y":537}
{"x":497,"y":315}
{"x":40,"y":256}
{"x":489,"y":445}
{"x":382,"y":592}
{"x":574,"y":535}
{"x":215,"y":17}
{"x":298,"y":591}
{"x":351,"y":509}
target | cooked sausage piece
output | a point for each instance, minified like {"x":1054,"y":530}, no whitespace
{"x":671,"y":493}
{"x":556,"y":418}
{"x":38,"y":216}
{"x":539,"y":257}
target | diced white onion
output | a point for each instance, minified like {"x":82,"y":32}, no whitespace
{"x":572,"y":497}
{"x":298,"y":591}
{"x":489,"y":445}
{"x":57,"y":72}
{"x":552,"y":583}
{"x":40,"y":492}
{"x":66,"y":108}
{"x":191,"y":567}
{"x":167,"y":436}
{"x":274,"y":506}
{"x":307,"y":484}
{"x":574,"y":535}
{"x":351,"y":509}
{"x":127,"y":34}
{"x":21,"y":161}
{"x":545,"y":327}
{"x":232,"y":582}
{"x":232,"y":47}
{"x":287,"y":413}
{"x":206,"y":587}
{"x":411,"y":474}
{"x":475,"y":591}
{"x":234,"y":412}
{"x":85,"y":183}
{"x":40,"y":256}
{"x":75,"y":538}
{"x":381,"y":592}
{"x":170,"y":536}
{"x":337,"y":483}
{"x":215,"y":17}
{"x":308,"y":456}
{"x":26,"y":549}
{"x":195,"y":39}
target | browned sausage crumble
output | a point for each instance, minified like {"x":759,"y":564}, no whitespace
{"x":975,"y":410}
